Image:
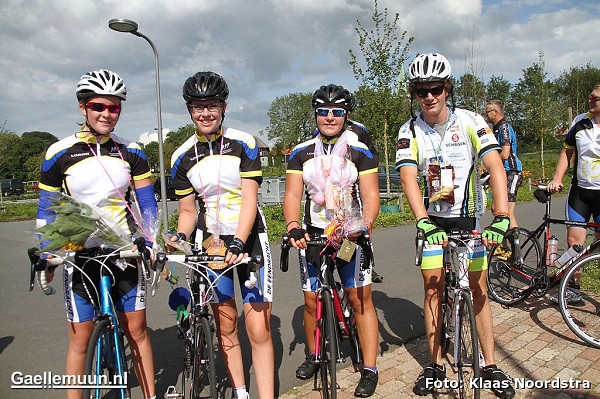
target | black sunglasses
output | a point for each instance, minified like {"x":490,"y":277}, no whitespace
{"x":435,"y":91}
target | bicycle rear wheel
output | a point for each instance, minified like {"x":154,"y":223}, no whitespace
{"x":104,"y":365}
{"x":582,"y":315}
{"x":204,"y":368}
{"x":509,"y":278}
{"x":467,"y":361}
{"x":357,"y":359}
{"x":329,"y":349}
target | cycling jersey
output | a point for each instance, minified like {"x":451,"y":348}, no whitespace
{"x":89,"y":170}
{"x":215,"y":169}
{"x":466,"y":139}
{"x":584,"y":137}
{"x":302,"y":161}
{"x":506,"y":136}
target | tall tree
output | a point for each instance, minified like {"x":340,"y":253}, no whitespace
{"x":291,"y":120}
{"x":382,"y":80}
{"x":574,"y":87}
{"x":469,"y":93}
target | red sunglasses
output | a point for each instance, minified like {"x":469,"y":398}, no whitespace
{"x":99,"y":107}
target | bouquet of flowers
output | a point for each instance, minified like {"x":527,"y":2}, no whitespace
{"x":78,"y":225}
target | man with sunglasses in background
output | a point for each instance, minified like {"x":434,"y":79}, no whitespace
{"x":507,"y":138}
{"x":584,"y":193}
{"x":446,"y":143}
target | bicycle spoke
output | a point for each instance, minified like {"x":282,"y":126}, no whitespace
{"x":582,"y":315}
{"x":467,"y":360}
{"x":509,"y":277}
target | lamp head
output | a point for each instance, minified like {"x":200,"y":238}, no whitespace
{"x":123,"y":25}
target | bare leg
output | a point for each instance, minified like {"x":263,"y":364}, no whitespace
{"x":258,"y":326}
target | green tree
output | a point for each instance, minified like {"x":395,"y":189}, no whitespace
{"x":291,"y":120}
{"x":469,"y":93}
{"x":32,"y":147}
{"x":151,"y":151}
{"x":10,"y":158}
{"x":382,"y":81}
{"x":574,"y":87}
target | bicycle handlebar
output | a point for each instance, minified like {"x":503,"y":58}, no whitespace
{"x":39,"y":266}
{"x":455,"y":237}
{"x":320,"y":240}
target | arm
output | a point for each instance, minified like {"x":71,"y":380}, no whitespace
{"x":561,"y":167}
{"x":505,"y":152}
{"x":188,"y":213}
{"x":144,"y":191}
{"x":294,"y":184}
{"x":369,"y":189}
{"x":493,"y":164}
{"x":410,"y":187}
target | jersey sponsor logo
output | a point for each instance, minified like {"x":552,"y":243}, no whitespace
{"x":459,"y":144}
{"x":81,"y":154}
{"x":403,"y":143}
{"x":455,"y":138}
{"x":481,"y":132}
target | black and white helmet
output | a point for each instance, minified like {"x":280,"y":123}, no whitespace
{"x":430,"y":67}
{"x":205,"y":86}
{"x":101,"y":82}
{"x":333,"y":95}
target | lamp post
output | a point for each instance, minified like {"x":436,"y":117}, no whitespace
{"x":129,"y":26}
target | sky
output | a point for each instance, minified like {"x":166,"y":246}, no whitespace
{"x":264,"y":49}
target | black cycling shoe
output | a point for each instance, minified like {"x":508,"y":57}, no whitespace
{"x":307,"y":369}
{"x":433,"y":372}
{"x":376,"y":277}
{"x":367,"y":384}
{"x":499,"y":381}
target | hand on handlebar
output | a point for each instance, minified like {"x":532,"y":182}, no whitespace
{"x":434,"y":234}
{"x":298,"y":238}
{"x":235,"y":252}
{"x":554,"y":186}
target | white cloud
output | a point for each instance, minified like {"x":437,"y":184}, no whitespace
{"x":264,"y":49}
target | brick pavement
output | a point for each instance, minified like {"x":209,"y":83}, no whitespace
{"x":532,"y":343}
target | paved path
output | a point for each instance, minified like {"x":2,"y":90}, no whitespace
{"x":532,"y":343}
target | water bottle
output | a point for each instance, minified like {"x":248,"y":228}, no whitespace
{"x":568,"y":254}
{"x":552,"y":251}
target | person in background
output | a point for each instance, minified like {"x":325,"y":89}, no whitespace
{"x":221,"y":167}
{"x":445,"y":144}
{"x":507,"y":138}
{"x":95,"y":166}
{"x":584,"y":193}
{"x":334,"y":164}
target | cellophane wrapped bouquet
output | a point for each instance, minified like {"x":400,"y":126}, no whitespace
{"x":79,"y":225}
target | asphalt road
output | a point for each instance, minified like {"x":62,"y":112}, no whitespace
{"x":33,"y":331}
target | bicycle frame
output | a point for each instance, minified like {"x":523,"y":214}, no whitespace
{"x":544,"y":228}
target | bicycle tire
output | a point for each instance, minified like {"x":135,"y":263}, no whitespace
{"x":468,"y":350}
{"x":354,"y":339}
{"x":204,"y":368}
{"x":101,"y":360}
{"x":583,"y":317}
{"x":446,"y":330}
{"x":329,"y":349}
{"x":509,"y":280}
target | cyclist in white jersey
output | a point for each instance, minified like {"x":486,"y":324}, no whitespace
{"x":584,"y":192}
{"x":220,"y":167}
{"x":95,"y":166}
{"x":445,"y":144}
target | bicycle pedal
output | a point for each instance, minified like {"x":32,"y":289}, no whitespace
{"x":172,"y":393}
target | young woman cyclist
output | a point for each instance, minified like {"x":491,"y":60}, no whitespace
{"x":221,"y":167}
{"x":96,"y":167}
{"x":334,"y":163}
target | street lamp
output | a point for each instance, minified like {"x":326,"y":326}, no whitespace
{"x":129,"y":26}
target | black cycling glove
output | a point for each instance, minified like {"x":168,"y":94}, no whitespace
{"x":297,"y":233}
{"x":236,"y":246}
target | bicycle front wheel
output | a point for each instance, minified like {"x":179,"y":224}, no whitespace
{"x":467,"y":350}
{"x":509,"y":276}
{"x":329,"y":349}
{"x":354,"y":339}
{"x":103,"y":364}
{"x":204,"y":368}
{"x":580,"y":308}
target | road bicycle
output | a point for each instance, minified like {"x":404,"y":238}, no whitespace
{"x":512,"y":279}
{"x":335,"y":317}
{"x":197,"y":327}
{"x":105,"y":361}
{"x":458,"y":314}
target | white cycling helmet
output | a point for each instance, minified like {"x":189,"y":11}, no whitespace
{"x":429,"y":67}
{"x":101,"y":82}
